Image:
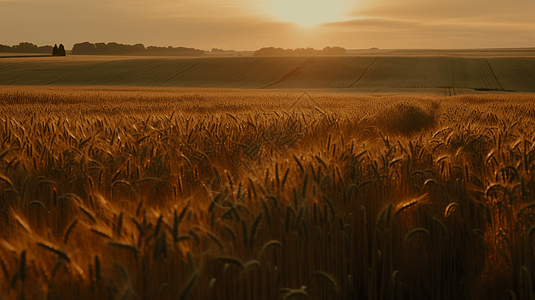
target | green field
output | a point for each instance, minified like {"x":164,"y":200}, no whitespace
{"x":433,"y":74}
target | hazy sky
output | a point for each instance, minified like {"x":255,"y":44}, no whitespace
{"x":252,"y":24}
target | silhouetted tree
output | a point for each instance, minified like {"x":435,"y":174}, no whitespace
{"x":58,"y":51}
{"x":61,"y":50}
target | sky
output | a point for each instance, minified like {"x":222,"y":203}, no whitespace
{"x":253,"y":24}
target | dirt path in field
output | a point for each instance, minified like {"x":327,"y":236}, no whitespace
{"x":441,"y":75}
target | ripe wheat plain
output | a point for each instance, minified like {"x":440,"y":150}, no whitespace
{"x":153,"y":193}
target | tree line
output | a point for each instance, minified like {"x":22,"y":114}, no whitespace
{"x":25,"y":47}
{"x":87,"y":48}
{"x":272,"y":51}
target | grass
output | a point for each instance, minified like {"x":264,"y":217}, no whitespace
{"x":213,"y":195}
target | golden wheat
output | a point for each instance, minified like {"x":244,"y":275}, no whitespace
{"x":220,"y":195}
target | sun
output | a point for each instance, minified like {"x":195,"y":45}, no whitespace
{"x":309,"y":13}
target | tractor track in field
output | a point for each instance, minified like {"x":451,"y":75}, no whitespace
{"x":494,"y":74}
{"x":363,"y":72}
{"x":251,"y":65}
{"x":58,"y":79}
{"x":293,"y":73}
{"x":328,"y":83}
{"x":186,"y":69}
{"x":452,"y":89}
{"x":376,"y":75}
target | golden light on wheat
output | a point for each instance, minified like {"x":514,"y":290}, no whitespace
{"x":105,"y":195}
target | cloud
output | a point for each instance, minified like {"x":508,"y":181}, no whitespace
{"x":386,"y":23}
{"x":372,"y":22}
{"x":446,"y":33}
{"x":512,"y":11}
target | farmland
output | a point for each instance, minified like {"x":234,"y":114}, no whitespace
{"x":169,"y":193}
{"x":434,"y":73}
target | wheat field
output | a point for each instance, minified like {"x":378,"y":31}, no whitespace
{"x":219,"y":194}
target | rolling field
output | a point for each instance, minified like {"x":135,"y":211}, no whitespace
{"x":431,"y":74}
{"x":398,"y":175}
{"x":155,"y":193}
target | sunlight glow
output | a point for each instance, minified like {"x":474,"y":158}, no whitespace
{"x":309,"y":13}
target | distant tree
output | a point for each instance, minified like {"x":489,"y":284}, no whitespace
{"x":45,"y":49}
{"x":25,"y":47}
{"x":113,"y":48}
{"x":100,"y":48}
{"x":175,"y":51}
{"x":83,"y":48}
{"x":221,"y":50}
{"x":87,"y":48}
{"x":138,"y":48}
{"x":271,"y":51}
{"x":305,"y":52}
{"x":5,"y":48}
{"x":55,"y":50}
{"x":61,"y":50}
{"x":334,"y":51}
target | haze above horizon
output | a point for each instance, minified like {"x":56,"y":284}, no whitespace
{"x":252,"y":24}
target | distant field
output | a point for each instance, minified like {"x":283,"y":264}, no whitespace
{"x":490,"y":52}
{"x":438,"y":73}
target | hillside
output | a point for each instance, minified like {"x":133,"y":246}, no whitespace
{"x":443,"y":75}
